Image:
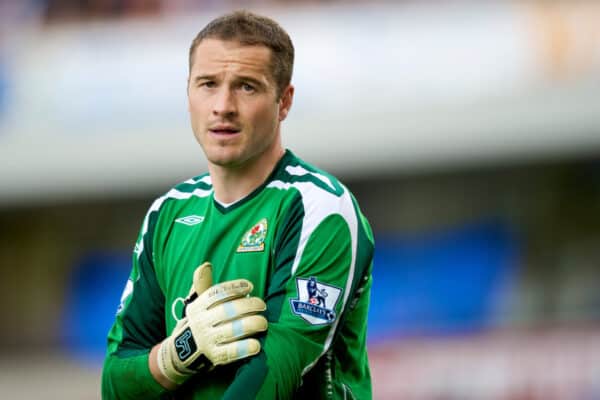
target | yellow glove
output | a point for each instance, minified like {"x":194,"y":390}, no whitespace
{"x":216,"y":321}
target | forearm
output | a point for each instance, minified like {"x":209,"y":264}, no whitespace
{"x":129,"y":378}
{"x":155,"y":370}
{"x":277,"y":371}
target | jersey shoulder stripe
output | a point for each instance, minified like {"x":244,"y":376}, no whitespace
{"x":198,"y":182}
{"x":294,"y":170}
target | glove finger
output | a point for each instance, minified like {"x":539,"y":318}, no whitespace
{"x":236,"y":308}
{"x":239,"y":328}
{"x":223,"y":292}
{"x":202,"y":278}
{"x":201,"y":281}
{"x":226,"y":353}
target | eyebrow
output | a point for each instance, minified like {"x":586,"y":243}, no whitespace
{"x":209,"y":77}
{"x":251,"y":80}
{"x":204,"y":78}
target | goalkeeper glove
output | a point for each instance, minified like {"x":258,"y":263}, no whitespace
{"x":216,"y":319}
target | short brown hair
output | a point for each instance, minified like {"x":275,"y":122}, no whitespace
{"x":251,"y":29}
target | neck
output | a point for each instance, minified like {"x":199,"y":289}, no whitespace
{"x":231,"y":184}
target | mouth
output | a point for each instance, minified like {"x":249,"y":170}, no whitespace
{"x":224,"y":130}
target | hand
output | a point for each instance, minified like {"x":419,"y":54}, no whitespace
{"x":216,"y":321}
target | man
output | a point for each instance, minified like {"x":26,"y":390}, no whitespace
{"x":251,"y":239}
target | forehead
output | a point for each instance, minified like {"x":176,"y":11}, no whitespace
{"x":215,"y":55}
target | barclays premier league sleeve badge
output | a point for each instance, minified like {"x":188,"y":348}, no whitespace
{"x":316,"y":301}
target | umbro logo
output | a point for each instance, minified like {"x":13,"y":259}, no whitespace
{"x":190,"y":220}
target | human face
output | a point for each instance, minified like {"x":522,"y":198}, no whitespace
{"x":233,"y":104}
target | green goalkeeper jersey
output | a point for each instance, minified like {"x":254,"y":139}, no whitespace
{"x":302,"y":241}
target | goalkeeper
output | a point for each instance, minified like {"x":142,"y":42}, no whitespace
{"x":251,"y":281}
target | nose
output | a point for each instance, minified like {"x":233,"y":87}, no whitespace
{"x":224,"y":105}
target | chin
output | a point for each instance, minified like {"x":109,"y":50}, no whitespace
{"x":224,"y":160}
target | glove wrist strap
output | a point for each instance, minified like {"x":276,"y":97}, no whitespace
{"x":167,"y":367}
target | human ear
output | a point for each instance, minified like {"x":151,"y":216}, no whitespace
{"x":285,"y":102}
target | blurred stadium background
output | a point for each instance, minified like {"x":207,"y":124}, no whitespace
{"x":469,"y":131}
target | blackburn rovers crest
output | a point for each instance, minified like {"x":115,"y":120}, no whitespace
{"x":254,"y":239}
{"x":316,"y":301}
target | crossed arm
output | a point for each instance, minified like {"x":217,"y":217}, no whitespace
{"x":291,"y":346}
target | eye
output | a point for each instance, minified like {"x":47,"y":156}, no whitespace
{"x":207,"y":84}
{"x":246,"y":87}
